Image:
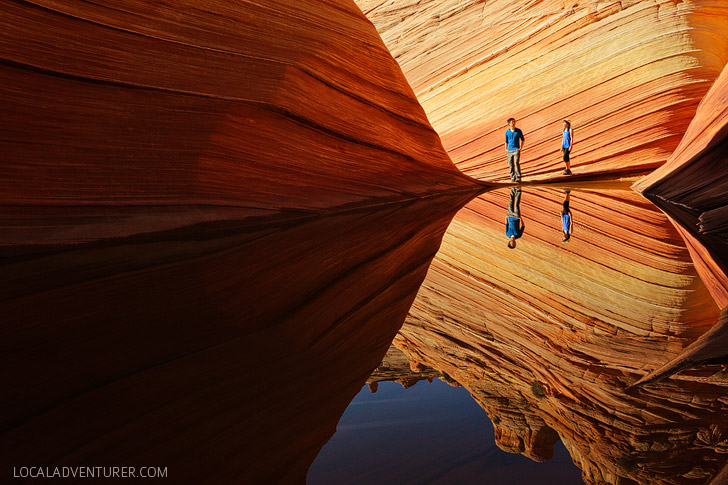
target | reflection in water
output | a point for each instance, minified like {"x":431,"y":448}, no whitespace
{"x":547,"y":339}
{"x":567,"y":222}
{"x":429,"y":433}
{"x":514,"y":221}
{"x":225,"y":351}
{"x":396,"y":368}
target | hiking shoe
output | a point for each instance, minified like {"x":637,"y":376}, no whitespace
{"x":566,"y":172}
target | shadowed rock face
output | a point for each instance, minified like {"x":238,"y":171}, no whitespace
{"x":628,"y":74}
{"x":547,"y":336}
{"x":167,"y":294}
{"x":264,"y":106}
{"x":222,"y":354}
{"x":693,"y":188}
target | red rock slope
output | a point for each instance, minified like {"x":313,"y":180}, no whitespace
{"x":163,"y":302}
{"x":548,"y":336}
{"x":629,"y":74}
{"x":260,"y":105}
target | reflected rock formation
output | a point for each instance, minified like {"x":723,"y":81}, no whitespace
{"x":693,"y":188}
{"x":548,"y":336}
{"x":225,"y":352}
{"x":167,"y":295}
{"x":396,"y":368}
{"x":629,"y":74}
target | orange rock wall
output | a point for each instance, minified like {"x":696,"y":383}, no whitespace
{"x":547,"y":336}
{"x":267,"y":106}
{"x":185,"y":252}
{"x":693,"y":188}
{"x":629,"y":75}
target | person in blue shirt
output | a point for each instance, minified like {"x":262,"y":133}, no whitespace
{"x":515,"y":142}
{"x":514,"y":223}
{"x":567,"y":141}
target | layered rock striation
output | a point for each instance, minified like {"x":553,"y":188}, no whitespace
{"x":693,"y":188}
{"x":181,"y":200}
{"x":629,"y":75}
{"x":548,"y":336}
{"x":266,"y":107}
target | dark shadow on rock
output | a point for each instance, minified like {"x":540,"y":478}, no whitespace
{"x":221,"y":350}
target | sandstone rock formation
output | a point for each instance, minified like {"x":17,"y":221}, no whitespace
{"x":222,"y":357}
{"x":693,"y":188}
{"x":165,"y":291}
{"x":629,"y":74}
{"x":547,"y":336}
{"x":711,"y":347}
{"x":262,"y":106}
{"x":189,"y":276}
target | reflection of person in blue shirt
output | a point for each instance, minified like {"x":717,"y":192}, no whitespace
{"x":514,"y":223}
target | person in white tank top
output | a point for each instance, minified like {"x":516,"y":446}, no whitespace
{"x":567,"y":142}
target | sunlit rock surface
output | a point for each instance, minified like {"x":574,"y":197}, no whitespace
{"x":628,"y":74}
{"x":258,"y":105}
{"x":547,"y":336}
{"x":225,"y":357}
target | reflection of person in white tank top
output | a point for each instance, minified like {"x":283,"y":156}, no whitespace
{"x":567,"y":141}
{"x":566,"y":222}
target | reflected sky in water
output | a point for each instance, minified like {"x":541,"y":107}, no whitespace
{"x":429,"y":433}
{"x":545,"y":337}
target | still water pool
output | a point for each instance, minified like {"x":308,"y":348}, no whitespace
{"x":429,"y":433}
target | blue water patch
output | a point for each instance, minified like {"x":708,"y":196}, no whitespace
{"x":429,"y":433}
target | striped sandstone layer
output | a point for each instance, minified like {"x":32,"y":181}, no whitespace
{"x":258,"y":106}
{"x":547,"y":336}
{"x":629,"y":74}
{"x":184,"y":252}
{"x":693,"y":189}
